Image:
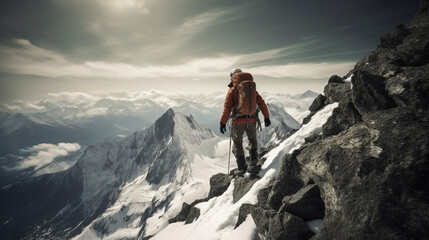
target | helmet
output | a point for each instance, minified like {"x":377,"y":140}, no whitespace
{"x":235,"y":70}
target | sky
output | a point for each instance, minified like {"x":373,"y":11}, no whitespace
{"x":97,"y":46}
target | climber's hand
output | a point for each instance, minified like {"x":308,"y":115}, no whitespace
{"x":222,"y":128}
{"x":267,"y":122}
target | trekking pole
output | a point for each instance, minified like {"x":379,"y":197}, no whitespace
{"x":229,"y":153}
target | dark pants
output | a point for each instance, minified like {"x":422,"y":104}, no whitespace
{"x":237,"y":137}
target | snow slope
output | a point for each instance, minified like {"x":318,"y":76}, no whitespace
{"x":219,"y":215}
{"x":153,"y":194}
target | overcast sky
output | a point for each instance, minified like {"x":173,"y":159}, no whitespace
{"x":185,"y":45}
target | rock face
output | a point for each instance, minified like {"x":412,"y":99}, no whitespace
{"x":367,"y":176}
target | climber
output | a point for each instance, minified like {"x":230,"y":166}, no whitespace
{"x":240,"y":102}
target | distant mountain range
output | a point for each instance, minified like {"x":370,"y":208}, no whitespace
{"x":86,"y":120}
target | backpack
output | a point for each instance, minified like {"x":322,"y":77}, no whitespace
{"x":245,"y":88}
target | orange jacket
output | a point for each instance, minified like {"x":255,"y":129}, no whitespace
{"x":230,"y":101}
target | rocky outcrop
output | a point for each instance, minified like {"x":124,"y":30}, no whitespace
{"x":367,"y":175}
{"x":218,"y":185}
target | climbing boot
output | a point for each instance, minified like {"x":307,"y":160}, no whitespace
{"x":253,"y":157}
{"x":241,"y":163}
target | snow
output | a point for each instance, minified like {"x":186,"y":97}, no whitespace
{"x":219,"y":215}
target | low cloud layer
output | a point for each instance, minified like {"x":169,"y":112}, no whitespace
{"x":44,"y":154}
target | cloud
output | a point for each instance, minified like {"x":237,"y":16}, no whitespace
{"x":183,"y":33}
{"x":27,"y":59}
{"x":76,"y":97}
{"x":200,"y":22}
{"x":43,"y":154}
{"x":304,"y":70}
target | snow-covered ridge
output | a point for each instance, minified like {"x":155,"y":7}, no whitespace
{"x":156,"y":170}
{"x":219,"y":215}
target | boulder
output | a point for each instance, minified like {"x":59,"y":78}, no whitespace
{"x":369,"y":93}
{"x":335,"y":79}
{"x":183,"y":214}
{"x":318,"y":103}
{"x":289,"y":181}
{"x":343,"y":117}
{"x":305,"y":204}
{"x":273,"y":226}
{"x":218,"y":184}
{"x":335,"y":92}
{"x":241,"y":187}
{"x":287,"y":226}
{"x":194,"y":213}
{"x":245,"y":209}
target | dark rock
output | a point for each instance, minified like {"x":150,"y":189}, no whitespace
{"x":287,"y":226}
{"x":336,"y":92}
{"x":312,"y":138}
{"x":194,"y":213}
{"x":183,"y":214}
{"x":411,"y":88}
{"x":272,"y":226}
{"x":369,"y":93}
{"x":241,"y":187}
{"x":343,"y":117}
{"x":261,"y":216}
{"x":394,"y":39}
{"x":335,"y":79}
{"x":372,"y":162}
{"x":308,"y":118}
{"x":218,"y":184}
{"x":188,"y":213}
{"x":289,"y":181}
{"x":306,"y":203}
{"x":263,"y":195}
{"x":245,"y":210}
{"x":373,"y":177}
{"x":318,"y":103}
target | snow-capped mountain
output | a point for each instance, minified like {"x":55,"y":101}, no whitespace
{"x":282,"y":126}
{"x":117,"y":189}
{"x":84,"y":119}
{"x":219,"y":215}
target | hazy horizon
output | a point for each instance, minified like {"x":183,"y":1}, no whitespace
{"x":52,"y":46}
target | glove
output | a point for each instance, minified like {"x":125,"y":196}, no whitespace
{"x":267,"y":122}
{"x":222,"y":128}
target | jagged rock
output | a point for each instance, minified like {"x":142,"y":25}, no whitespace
{"x":373,"y":177}
{"x":318,"y":103}
{"x":245,"y":209}
{"x":274,"y":226}
{"x":241,"y":187}
{"x":289,"y":181}
{"x":343,"y":117}
{"x":335,"y":79}
{"x":218,"y":184}
{"x":194,"y":213}
{"x":335,"y":92}
{"x":308,"y":118}
{"x":411,"y":88}
{"x":369,"y":93}
{"x":312,"y":138}
{"x":188,"y":213}
{"x":373,"y":169}
{"x":183,"y":214}
{"x":395,"y":38}
{"x":306,"y":203}
{"x":287,"y":226}
{"x":263,"y":194}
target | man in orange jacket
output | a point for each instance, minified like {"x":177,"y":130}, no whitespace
{"x":242,"y":124}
